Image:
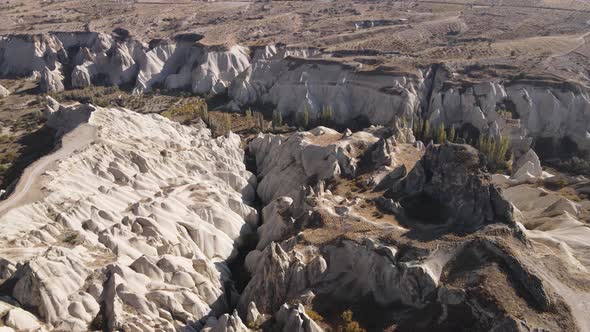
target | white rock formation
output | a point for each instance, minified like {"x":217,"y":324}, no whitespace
{"x":278,"y":222}
{"x":553,"y":220}
{"x":542,"y":110}
{"x":21,"y":320}
{"x":367,"y":269}
{"x":293,"y":84}
{"x":99,"y":58}
{"x":293,"y":79}
{"x":527,"y":167}
{"x":295,"y":319}
{"x":287,"y":164}
{"x":4,"y":92}
{"x":225,"y":323}
{"x":140,"y":221}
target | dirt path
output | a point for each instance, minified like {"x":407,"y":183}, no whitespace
{"x":27,"y":189}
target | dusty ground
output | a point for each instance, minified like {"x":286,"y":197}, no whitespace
{"x":23,"y":139}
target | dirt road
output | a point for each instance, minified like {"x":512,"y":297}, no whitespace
{"x":27,"y":188}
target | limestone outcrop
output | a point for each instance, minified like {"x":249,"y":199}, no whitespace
{"x":4,"y":92}
{"x":296,"y":78}
{"x":306,"y":253}
{"x":132,"y":230}
{"x":527,"y":167}
{"x":102,"y":59}
{"x":287,"y":165}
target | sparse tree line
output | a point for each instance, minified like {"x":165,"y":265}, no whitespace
{"x":496,"y":150}
{"x":256,"y":120}
{"x":305,"y":119}
{"x":191,"y":111}
{"x":188,"y":111}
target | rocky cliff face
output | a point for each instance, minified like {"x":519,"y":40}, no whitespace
{"x":134,"y":226}
{"x":101,"y":59}
{"x":450,"y":181}
{"x":133,"y":230}
{"x":292,"y":79}
{"x":455,"y":271}
{"x":521,"y":109}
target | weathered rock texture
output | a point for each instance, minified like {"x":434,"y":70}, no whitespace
{"x":325,"y":250}
{"x":451,"y":181}
{"x":293,"y":79}
{"x":4,"y":92}
{"x":134,"y":230}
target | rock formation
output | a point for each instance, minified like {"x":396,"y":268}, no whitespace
{"x":134,"y":229}
{"x":286,"y":165}
{"x":4,"y":92}
{"x":306,"y":254}
{"x":451,"y":181}
{"x":134,"y":221}
{"x":297,"y":78}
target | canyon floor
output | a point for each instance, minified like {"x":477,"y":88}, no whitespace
{"x":233,"y":166}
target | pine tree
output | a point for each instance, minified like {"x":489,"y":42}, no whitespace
{"x":303,"y":118}
{"x":441,"y":134}
{"x":452,"y":134}
{"x":277,"y":119}
{"x":227,"y":122}
{"x":249,"y":117}
{"x":205,"y":114}
{"x":426,"y":135}
{"x":257,"y":121}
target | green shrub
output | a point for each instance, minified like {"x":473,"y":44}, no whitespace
{"x":496,"y":152}
{"x":574,"y":165}
{"x":277,"y":119}
{"x":249,"y":117}
{"x":441,"y":134}
{"x":314,"y":315}
{"x":327,"y":116}
{"x":188,"y":111}
{"x":349,"y":324}
{"x":303,"y":118}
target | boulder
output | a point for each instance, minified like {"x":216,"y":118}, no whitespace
{"x":527,"y":167}
{"x":382,"y":153}
{"x":51,"y":81}
{"x":253,"y":315}
{"x":22,"y":320}
{"x":4,"y":92}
